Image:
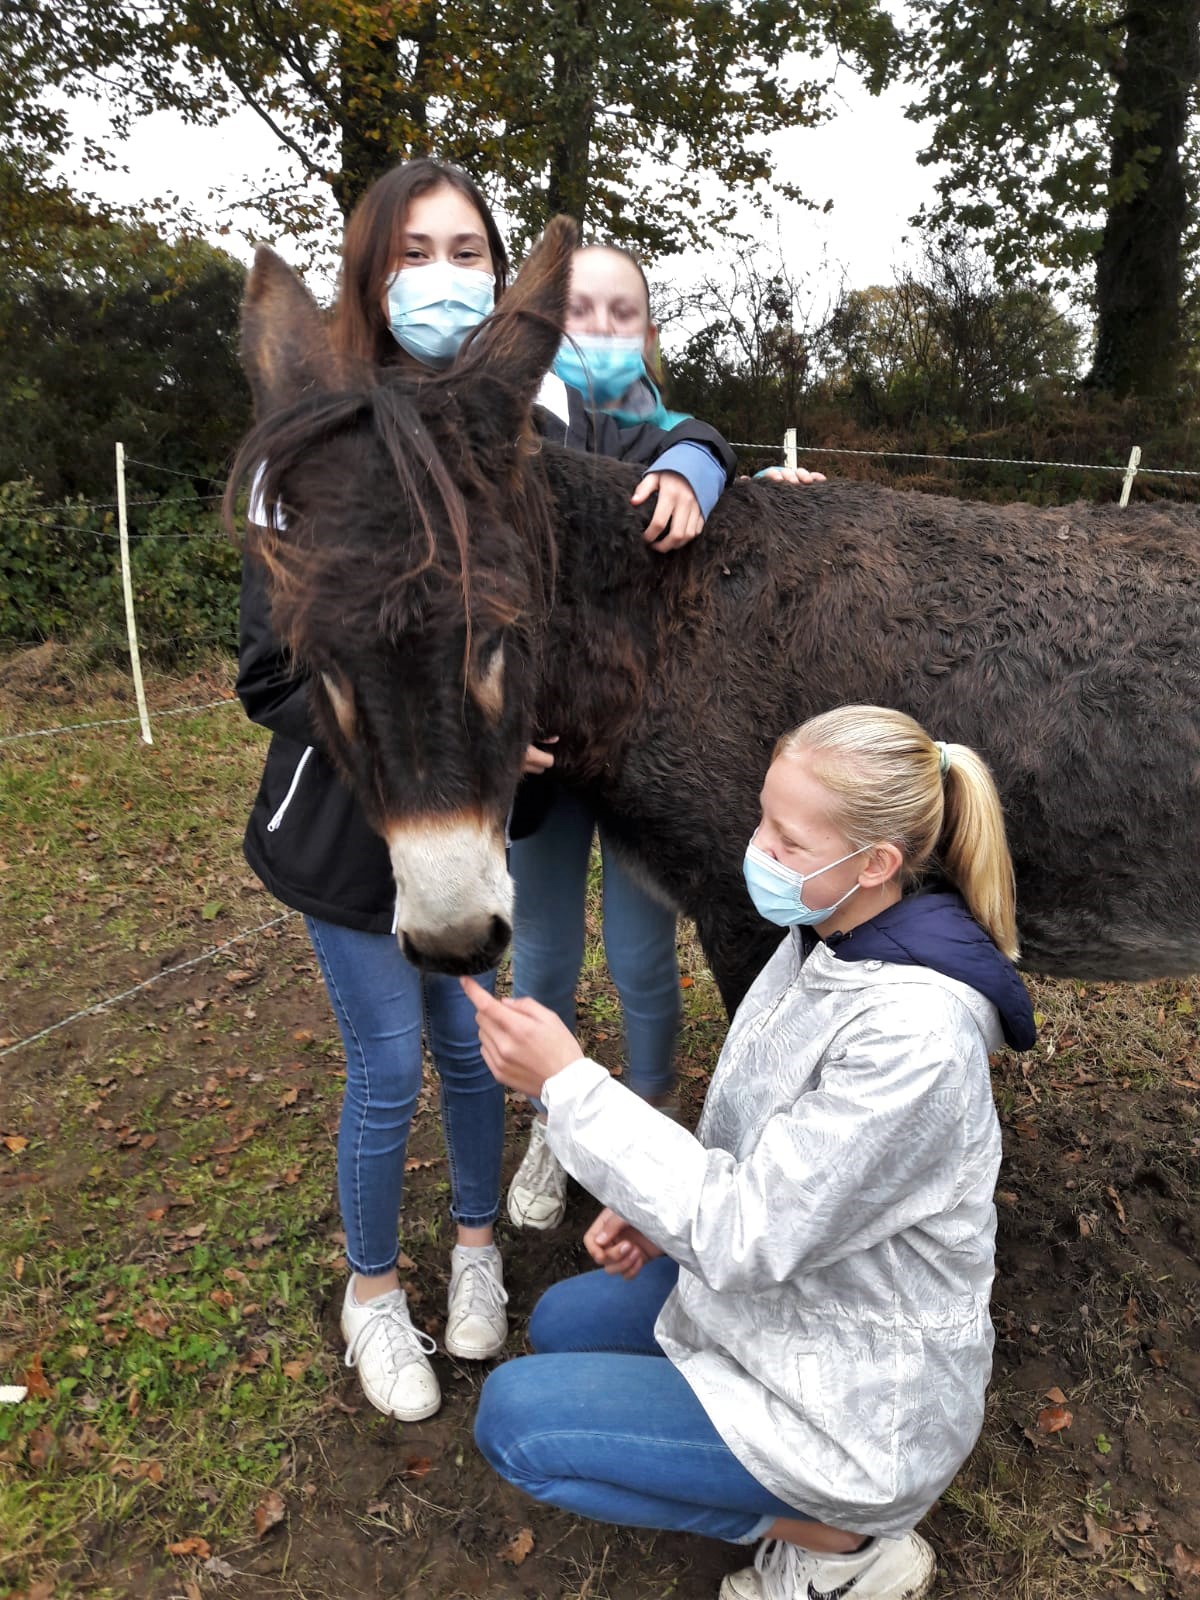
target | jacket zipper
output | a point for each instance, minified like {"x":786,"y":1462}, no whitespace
{"x":273,"y":825}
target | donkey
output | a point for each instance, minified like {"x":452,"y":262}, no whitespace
{"x":455,"y":585}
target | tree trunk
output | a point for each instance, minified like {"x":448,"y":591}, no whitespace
{"x":1139,"y":266}
{"x":574,"y":101}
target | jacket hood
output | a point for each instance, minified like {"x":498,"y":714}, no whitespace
{"x":935,"y":929}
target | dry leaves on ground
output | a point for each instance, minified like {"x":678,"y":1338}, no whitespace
{"x":269,"y":1511}
{"x":518,"y":1547}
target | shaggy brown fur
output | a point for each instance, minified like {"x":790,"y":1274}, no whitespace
{"x":1061,"y":644}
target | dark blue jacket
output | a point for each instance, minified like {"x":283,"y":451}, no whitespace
{"x":935,"y":929}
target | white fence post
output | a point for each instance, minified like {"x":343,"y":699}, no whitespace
{"x":789,"y":448}
{"x":135,"y":659}
{"x":1135,"y":457}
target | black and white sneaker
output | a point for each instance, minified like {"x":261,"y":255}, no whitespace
{"x":884,"y":1569}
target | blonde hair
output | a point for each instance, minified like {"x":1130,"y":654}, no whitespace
{"x":891,"y":781}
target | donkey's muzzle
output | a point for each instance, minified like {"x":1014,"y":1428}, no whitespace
{"x":461,"y":951}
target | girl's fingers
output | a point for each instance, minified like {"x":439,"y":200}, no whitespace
{"x":477,"y":994}
{"x":647,"y":487}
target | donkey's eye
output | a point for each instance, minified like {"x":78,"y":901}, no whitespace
{"x":487,"y":679}
{"x":341,"y":698}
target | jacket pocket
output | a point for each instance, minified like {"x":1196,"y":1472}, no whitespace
{"x":281,"y":811}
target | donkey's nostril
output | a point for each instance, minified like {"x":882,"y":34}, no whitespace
{"x":464,"y":949}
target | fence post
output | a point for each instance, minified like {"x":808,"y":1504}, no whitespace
{"x":1135,"y":457}
{"x":789,"y":448}
{"x":135,"y":659}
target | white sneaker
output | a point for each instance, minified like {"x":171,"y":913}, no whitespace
{"x":476,"y":1324}
{"x":391,"y":1355}
{"x":886,"y":1569}
{"x":537,"y":1196}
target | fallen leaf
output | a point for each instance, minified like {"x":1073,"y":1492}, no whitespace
{"x":1092,"y":1545}
{"x":219,"y":1568}
{"x":416,"y":1467}
{"x":193,"y":1546}
{"x":686,"y":982}
{"x":16,"y":1142}
{"x":295,"y":1369}
{"x":1056,"y":1395}
{"x":1114,"y":1200}
{"x":289,"y":1097}
{"x":518,"y":1547}
{"x":269,"y":1511}
{"x":43,"y":1589}
{"x":1053,"y":1419}
{"x":1183,"y":1563}
{"x":35,"y":1380}
{"x":1158,"y":1358}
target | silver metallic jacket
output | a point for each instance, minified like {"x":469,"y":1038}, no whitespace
{"x":834,"y":1225}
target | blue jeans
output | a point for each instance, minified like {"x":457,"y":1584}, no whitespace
{"x":601,"y":1424}
{"x":550,"y":870}
{"x":383,"y":1005}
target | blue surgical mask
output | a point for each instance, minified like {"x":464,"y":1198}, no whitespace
{"x":600,"y":366}
{"x":432,"y":309}
{"x":778,"y":892}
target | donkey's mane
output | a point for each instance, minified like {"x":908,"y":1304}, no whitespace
{"x":326,"y":582}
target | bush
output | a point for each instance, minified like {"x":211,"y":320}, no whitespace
{"x":60,"y":576}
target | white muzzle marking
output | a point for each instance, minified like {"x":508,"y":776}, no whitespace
{"x":450,"y":875}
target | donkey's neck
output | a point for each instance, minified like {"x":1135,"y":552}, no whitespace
{"x":601,"y":633}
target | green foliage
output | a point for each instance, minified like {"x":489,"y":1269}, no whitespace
{"x":1061,"y":130}
{"x":60,"y":575}
{"x":111,"y":333}
{"x":948,"y":341}
{"x":610,"y":109}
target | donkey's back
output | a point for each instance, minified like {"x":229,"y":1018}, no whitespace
{"x":1060,"y":643}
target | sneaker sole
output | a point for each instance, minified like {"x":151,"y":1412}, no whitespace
{"x":462,"y":1353}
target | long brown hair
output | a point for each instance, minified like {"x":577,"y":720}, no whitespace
{"x":374,"y":243}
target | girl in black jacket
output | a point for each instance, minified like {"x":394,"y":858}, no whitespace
{"x":422,"y":262}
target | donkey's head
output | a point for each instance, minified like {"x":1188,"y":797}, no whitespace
{"x":409,"y":558}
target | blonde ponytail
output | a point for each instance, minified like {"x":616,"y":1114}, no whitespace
{"x":937,"y":802}
{"x":973,"y":847}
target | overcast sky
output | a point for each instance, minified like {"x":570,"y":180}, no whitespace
{"x":864,"y":160}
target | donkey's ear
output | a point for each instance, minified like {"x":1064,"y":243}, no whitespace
{"x":285,"y":345}
{"x":519,"y":340}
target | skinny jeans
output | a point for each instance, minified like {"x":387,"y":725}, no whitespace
{"x":550,"y":870}
{"x":384,"y":1007}
{"x":599,"y":1422}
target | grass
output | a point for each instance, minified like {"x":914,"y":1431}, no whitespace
{"x":170,"y":1256}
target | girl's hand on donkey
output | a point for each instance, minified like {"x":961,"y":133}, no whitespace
{"x":537,"y":759}
{"x":796,"y":475}
{"x":677,"y":517}
{"x":522,"y":1042}
{"x":617,"y":1246}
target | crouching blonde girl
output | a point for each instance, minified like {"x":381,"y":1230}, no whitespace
{"x":790,"y":1339}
